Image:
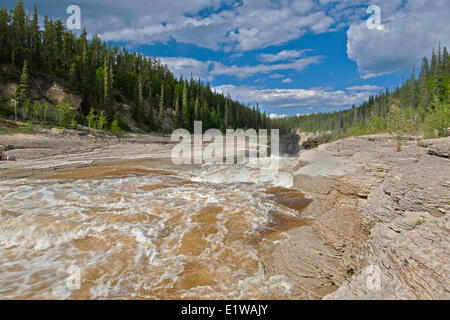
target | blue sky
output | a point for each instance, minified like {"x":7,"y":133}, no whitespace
{"x":291,"y":56}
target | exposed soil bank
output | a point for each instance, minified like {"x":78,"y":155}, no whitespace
{"x":376,"y":212}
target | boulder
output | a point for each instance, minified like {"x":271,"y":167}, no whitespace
{"x":8,"y":90}
{"x":56,"y":94}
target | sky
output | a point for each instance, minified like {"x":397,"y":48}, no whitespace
{"x":290,"y":56}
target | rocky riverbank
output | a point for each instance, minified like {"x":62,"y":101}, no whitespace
{"x":380,"y":225}
{"x":381,"y":221}
{"x":32,"y":154}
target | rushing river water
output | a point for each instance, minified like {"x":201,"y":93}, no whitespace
{"x":147,"y":230}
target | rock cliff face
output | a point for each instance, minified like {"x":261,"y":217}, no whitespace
{"x":381,"y":225}
{"x":306,"y":136}
{"x":43,"y":90}
{"x":55,"y":94}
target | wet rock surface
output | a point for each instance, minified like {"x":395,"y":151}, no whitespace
{"x":56,"y":149}
{"x":290,"y":144}
{"x":381,"y":224}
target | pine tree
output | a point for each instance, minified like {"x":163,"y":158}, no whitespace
{"x":185,"y":113}
{"x":141,"y":90}
{"x":413,"y":93}
{"x":439,"y":58}
{"x":445,"y":62}
{"x":46,"y":45}
{"x":108,"y":94}
{"x":18,"y":34}
{"x":36,"y":46}
{"x":433,"y":62}
{"x":73,"y":77}
{"x":423,"y":88}
{"x":355,"y":113}
{"x":226,"y":115}
{"x":205,"y":115}
{"x":23,"y":90}
{"x":196,"y":108}
{"x":4,"y":31}
{"x":68,"y":51}
{"x":84,"y":59}
{"x":177,"y":107}
{"x":161,"y":102}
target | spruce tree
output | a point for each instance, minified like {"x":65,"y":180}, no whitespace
{"x":108,"y":94}
{"x":161,"y":102}
{"x":177,"y":107}
{"x":423,"y":87}
{"x":36,"y":47}
{"x":84,"y":60}
{"x":138,"y":108}
{"x":226,"y":115}
{"x":73,"y":77}
{"x":433,"y":62}
{"x":23,"y":90}
{"x":4,"y":31}
{"x":196,"y":108}
{"x":18,"y":33}
{"x":185,"y":113}
{"x":141,"y":90}
{"x":205,"y":115}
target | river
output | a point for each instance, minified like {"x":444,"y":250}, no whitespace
{"x":147,"y":229}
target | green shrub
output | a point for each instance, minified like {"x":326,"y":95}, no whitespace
{"x":418,"y":223}
{"x":375,"y":124}
{"x":357,"y":129}
{"x":123,"y":124}
{"x":437,"y":122}
{"x":64,"y":115}
{"x":44,"y":113}
{"x":29,"y":126}
{"x":115,"y":128}
{"x":91,"y":119}
{"x":102,"y":121}
{"x":27,"y":109}
{"x":74,"y":123}
{"x":5,"y":110}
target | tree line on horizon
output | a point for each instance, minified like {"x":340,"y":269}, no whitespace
{"x":103,"y":76}
{"x":419,"y":104}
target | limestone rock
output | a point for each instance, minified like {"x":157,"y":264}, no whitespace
{"x":381,"y":224}
{"x":56,"y":94}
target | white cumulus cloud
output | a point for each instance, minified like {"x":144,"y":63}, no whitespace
{"x":210,"y":69}
{"x":410,"y":31}
{"x":366,"y":87}
{"x":277,"y":116}
{"x":318,"y":99}
{"x":283,"y":55}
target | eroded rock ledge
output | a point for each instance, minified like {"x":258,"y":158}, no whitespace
{"x":56,"y":149}
{"x":374,"y":209}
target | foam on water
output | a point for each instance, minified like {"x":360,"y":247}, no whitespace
{"x":186,"y":233}
{"x":257,"y":174}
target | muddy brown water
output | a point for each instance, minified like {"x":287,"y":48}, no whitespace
{"x":147,"y":230}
